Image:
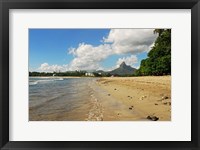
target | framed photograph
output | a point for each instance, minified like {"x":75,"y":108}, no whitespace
{"x":99,"y":74}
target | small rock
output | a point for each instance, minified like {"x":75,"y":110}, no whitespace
{"x":130,"y":108}
{"x":165,"y":103}
{"x":143,"y":97}
{"x":165,"y":97}
{"x":148,"y":117}
{"x":108,"y":94}
{"x":156,"y":104}
{"x":115,"y":89}
{"x":153,"y":118}
{"x":128,"y":96}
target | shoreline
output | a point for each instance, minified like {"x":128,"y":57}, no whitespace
{"x":111,"y":99}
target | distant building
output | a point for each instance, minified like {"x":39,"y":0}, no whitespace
{"x":89,"y":74}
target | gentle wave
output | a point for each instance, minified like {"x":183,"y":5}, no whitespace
{"x":96,"y":111}
{"x":59,"y":79}
{"x":31,"y":82}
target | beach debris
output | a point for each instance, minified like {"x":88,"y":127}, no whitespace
{"x":165,"y":97}
{"x":167,"y":103}
{"x":131,"y":107}
{"x":143,"y":97}
{"x":153,"y":118}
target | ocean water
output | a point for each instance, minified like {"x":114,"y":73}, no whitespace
{"x":74,"y":99}
{"x":61,"y":98}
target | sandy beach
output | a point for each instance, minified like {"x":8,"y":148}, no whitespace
{"x":101,"y":99}
{"x":146,"y":96}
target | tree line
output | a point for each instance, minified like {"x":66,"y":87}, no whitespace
{"x":68,"y":73}
{"x":158,"y":61}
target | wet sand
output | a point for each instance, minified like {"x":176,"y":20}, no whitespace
{"x":144,"y":96}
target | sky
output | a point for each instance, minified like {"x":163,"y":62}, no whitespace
{"x":87,"y":49}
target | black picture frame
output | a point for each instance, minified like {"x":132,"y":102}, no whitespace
{"x":5,"y":5}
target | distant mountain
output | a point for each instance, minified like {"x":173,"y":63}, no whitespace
{"x":123,"y":70}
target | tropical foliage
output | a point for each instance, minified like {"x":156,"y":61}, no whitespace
{"x":159,"y":57}
{"x":68,"y":73}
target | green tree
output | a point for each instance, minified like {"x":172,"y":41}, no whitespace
{"x":159,"y":57}
{"x":159,"y":31}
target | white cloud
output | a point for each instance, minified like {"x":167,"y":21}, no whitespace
{"x":118,"y":41}
{"x":88,"y":57}
{"x":45,"y":67}
{"x":130,"y":60}
{"x":131,"y":40}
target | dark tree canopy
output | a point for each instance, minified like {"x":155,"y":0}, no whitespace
{"x":68,"y":73}
{"x":159,"y":57}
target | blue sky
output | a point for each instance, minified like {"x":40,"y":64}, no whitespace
{"x":87,"y":49}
